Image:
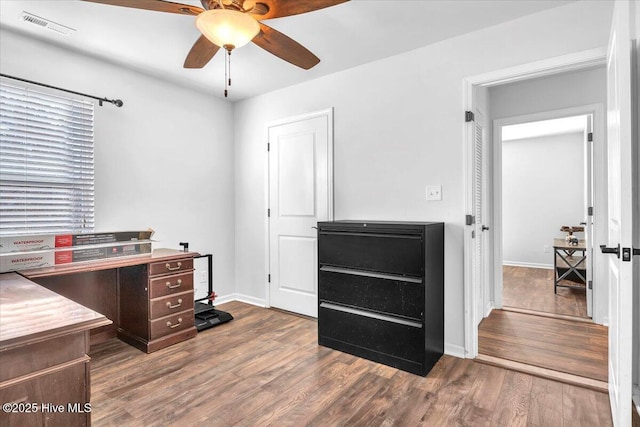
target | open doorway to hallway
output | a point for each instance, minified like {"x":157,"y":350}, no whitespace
{"x":538,"y":184}
{"x":547,"y":234}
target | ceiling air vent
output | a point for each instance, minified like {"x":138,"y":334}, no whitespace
{"x":30,"y":18}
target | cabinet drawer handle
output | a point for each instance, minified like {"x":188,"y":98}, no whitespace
{"x":174,"y":306}
{"x":176,"y":325}
{"x":177,"y":267}
{"x":177,"y":285}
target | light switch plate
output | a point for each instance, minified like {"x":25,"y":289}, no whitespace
{"x":434,"y":192}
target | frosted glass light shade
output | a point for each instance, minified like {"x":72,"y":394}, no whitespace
{"x":225,"y":27}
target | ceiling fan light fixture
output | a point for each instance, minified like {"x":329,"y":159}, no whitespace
{"x":227,"y":28}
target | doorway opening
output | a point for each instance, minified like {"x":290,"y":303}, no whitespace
{"x":547,"y":215}
{"x":535,"y":108}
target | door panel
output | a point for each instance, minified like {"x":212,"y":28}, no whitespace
{"x":296,"y":175}
{"x":481,"y":219}
{"x":297,"y":264}
{"x":300,"y":195}
{"x":620,"y":199}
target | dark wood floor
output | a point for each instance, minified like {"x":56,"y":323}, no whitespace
{"x":576,"y":348}
{"x":265,"y":368}
{"x":532,"y":289}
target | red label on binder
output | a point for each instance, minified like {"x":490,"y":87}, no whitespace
{"x":63,"y":257}
{"x":64,"y":240}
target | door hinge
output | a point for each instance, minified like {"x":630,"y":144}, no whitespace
{"x":469,"y":116}
{"x":590,"y":211}
{"x":590,"y":137}
{"x":590,"y":284}
{"x":268,"y":146}
{"x":268,"y":213}
{"x":470,"y":220}
{"x":473,"y":234}
{"x":268,"y":278}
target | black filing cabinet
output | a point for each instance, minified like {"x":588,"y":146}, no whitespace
{"x":381,"y":291}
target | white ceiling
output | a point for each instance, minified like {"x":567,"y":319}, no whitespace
{"x":342,"y":36}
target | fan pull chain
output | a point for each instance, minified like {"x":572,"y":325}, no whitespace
{"x":226,"y":73}
{"x":227,"y":69}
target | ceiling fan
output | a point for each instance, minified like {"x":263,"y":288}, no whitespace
{"x":256,"y":11}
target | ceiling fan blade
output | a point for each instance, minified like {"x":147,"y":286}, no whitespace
{"x":284,"y":47}
{"x":280,"y":8}
{"x":201,"y":53}
{"x":156,"y":5}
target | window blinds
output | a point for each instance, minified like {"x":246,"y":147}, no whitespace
{"x":46,"y":163}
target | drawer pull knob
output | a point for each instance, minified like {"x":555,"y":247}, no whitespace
{"x":175,"y":306}
{"x":177,"y":285}
{"x":177,"y":267}
{"x":170,"y":325}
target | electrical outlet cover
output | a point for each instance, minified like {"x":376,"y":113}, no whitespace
{"x":434,"y":192}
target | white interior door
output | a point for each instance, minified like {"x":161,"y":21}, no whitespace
{"x":480,"y":227}
{"x":589,"y":201}
{"x":300,"y":195}
{"x":620,"y":225}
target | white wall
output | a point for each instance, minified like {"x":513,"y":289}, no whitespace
{"x":542,"y":189}
{"x":554,"y":92}
{"x":164,"y":160}
{"x":398,"y":127}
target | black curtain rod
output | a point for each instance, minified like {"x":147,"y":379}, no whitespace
{"x":116,"y":102}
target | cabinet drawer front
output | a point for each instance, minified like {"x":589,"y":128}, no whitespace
{"x":170,"y":267}
{"x":170,"y":285}
{"x":387,"y":253}
{"x":160,"y":307}
{"x":170,"y":324}
{"x":382,"y":335}
{"x":378,"y":292}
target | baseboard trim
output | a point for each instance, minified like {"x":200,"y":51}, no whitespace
{"x":251,"y":300}
{"x":550,"y":374}
{"x":454,"y":350}
{"x":545,"y":314}
{"x":527,"y":265}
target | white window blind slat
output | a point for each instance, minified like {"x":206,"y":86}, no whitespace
{"x":46,"y":163}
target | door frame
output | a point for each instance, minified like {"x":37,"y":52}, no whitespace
{"x":601,"y":293}
{"x":328,"y":113}
{"x":571,"y":62}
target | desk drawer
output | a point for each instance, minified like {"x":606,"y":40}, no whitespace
{"x":171,"y":324}
{"x":170,"y":267}
{"x":160,"y":307}
{"x":170,"y":285}
{"x":397,"y":295}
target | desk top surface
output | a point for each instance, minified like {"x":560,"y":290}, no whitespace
{"x":30,"y":313}
{"x":158,"y":255}
{"x":562,"y":244}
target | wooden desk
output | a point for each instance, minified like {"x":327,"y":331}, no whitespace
{"x":568,"y":265}
{"x":44,"y":341}
{"x":148,"y":297}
